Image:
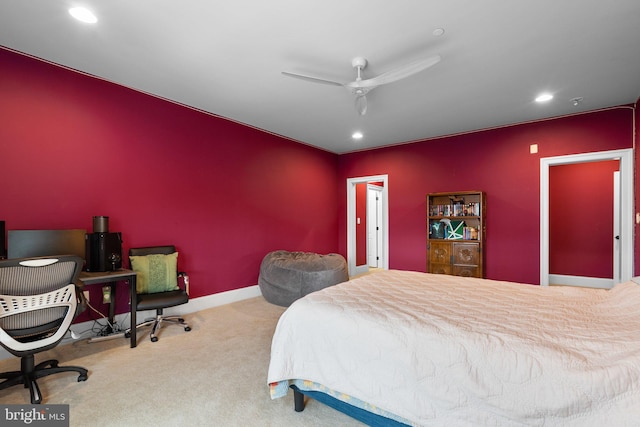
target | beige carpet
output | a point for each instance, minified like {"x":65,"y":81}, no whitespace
{"x":215,"y":375}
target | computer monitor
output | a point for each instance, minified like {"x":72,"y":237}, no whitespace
{"x":34,"y":243}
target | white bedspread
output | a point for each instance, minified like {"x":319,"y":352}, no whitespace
{"x":443,"y":350}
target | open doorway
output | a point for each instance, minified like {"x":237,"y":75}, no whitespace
{"x":355,"y":216}
{"x":620,"y":231}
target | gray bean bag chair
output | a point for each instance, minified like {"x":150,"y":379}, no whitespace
{"x":286,"y":276}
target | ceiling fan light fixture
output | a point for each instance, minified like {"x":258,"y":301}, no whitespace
{"x":361,"y":104}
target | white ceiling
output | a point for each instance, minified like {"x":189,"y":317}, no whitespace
{"x":226,"y":57}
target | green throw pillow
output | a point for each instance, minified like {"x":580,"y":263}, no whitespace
{"x":155,"y":273}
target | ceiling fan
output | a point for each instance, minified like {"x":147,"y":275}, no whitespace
{"x":359,"y":87}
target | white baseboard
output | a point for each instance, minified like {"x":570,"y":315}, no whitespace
{"x":194,"y":304}
{"x":587,"y":282}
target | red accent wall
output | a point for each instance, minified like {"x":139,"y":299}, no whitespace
{"x":73,"y":146}
{"x":581,"y":219}
{"x":495,"y":161}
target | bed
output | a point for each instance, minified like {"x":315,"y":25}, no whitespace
{"x":409,"y":348}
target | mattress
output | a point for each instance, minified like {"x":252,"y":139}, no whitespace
{"x":445,"y":350}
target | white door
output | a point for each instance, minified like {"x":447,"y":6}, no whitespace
{"x":374,"y":227}
{"x":617,"y":264}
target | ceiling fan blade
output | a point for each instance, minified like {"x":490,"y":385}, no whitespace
{"x":399,"y":73}
{"x":361,"y":104}
{"x":312,"y":79}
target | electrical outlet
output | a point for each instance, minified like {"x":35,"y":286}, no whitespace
{"x":106,"y":294}
{"x":86,"y":295}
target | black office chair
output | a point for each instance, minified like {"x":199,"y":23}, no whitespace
{"x":38,"y":302}
{"x":158,"y":285}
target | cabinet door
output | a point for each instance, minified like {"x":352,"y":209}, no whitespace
{"x":440,"y":257}
{"x":466,"y":254}
{"x":466,"y":259}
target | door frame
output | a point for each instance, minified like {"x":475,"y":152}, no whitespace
{"x":625,"y":156}
{"x":351,"y":222}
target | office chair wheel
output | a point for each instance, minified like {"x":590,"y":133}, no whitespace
{"x":187,"y":328}
{"x":127,"y":334}
{"x":154,"y":339}
{"x":82,"y":377}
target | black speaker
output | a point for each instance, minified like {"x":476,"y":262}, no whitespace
{"x":3,"y":241}
{"x":104,"y":251}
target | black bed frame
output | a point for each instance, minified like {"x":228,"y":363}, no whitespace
{"x":369,"y":418}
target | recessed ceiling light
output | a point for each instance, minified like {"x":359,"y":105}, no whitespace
{"x":544,"y":97}
{"x":84,"y":15}
{"x":357,"y":135}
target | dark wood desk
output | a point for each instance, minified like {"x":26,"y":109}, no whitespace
{"x":111,"y":277}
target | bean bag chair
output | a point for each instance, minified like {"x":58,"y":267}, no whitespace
{"x":286,"y":276}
